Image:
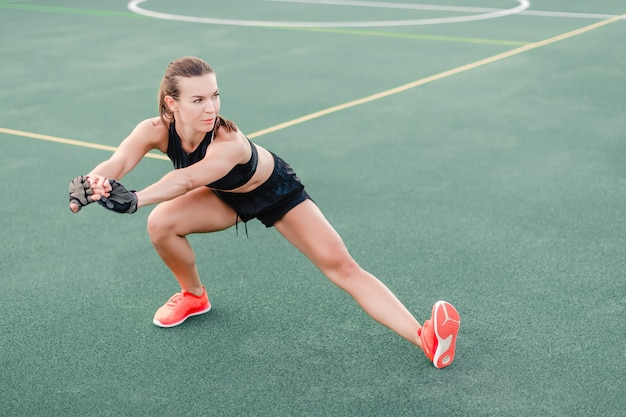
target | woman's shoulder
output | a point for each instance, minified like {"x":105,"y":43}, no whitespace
{"x":154,"y":128}
{"x":223,"y":134}
{"x":150,"y":133}
{"x":234,"y":143}
{"x":153,"y":125}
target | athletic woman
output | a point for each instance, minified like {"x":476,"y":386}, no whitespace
{"x":220,"y":178}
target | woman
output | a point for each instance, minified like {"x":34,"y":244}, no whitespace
{"x":221,"y":178}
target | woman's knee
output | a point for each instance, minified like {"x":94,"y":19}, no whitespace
{"x":341,"y":269}
{"x":160,"y":224}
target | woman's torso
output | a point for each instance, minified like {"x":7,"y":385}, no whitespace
{"x":243,"y":177}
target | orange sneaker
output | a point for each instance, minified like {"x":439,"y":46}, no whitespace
{"x":180,"y":307}
{"x":439,"y":334}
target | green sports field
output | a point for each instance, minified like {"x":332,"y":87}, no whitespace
{"x":467,"y":151}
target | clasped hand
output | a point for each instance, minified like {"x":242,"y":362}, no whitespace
{"x":107,"y":192}
{"x":87,"y":189}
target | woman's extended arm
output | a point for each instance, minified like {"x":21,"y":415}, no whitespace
{"x":147,"y":135}
{"x":220,"y":158}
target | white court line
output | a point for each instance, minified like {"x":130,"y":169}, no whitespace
{"x":360,"y":101}
{"x":133,"y":6}
{"x":481,"y":14}
{"x":571,"y":15}
{"x":408,"y":6}
{"x":385,"y":5}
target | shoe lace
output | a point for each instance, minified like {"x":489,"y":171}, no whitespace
{"x":174,"y":300}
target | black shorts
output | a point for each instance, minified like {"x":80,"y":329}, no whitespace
{"x":271,"y":200}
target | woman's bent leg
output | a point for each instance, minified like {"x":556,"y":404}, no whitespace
{"x":199,"y":211}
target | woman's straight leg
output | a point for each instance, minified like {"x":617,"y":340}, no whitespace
{"x":308,"y":230}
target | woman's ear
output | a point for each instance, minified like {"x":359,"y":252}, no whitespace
{"x":171,"y":103}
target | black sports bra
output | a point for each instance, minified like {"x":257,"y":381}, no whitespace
{"x":237,"y":177}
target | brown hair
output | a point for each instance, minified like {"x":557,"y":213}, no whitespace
{"x":187,"y":67}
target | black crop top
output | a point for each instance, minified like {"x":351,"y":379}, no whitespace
{"x":237,"y":177}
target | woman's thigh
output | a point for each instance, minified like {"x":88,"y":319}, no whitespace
{"x":306,"y":227}
{"x":198,"y":211}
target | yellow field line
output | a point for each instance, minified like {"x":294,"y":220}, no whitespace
{"x":71,"y":142}
{"x":435,"y":77}
{"x":353,"y":103}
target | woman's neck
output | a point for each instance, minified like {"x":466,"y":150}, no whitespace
{"x":189,"y":138}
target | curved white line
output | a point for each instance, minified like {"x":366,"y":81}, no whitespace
{"x":133,"y":6}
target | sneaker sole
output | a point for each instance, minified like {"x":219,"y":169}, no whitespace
{"x":158,"y":323}
{"x":446,"y":325}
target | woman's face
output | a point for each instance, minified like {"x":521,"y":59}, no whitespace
{"x":198,"y":103}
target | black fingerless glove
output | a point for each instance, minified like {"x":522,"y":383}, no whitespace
{"x":120,"y":199}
